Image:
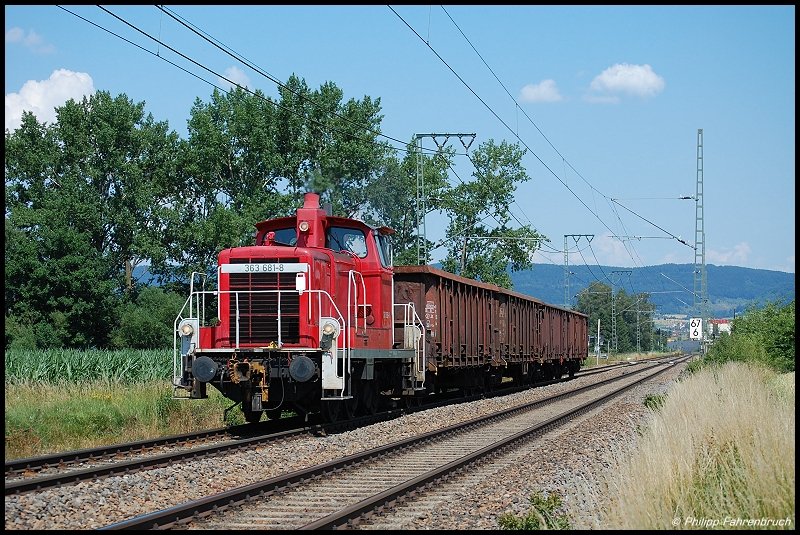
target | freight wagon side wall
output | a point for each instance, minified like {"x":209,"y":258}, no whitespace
{"x":462,"y":321}
{"x":468,"y":323}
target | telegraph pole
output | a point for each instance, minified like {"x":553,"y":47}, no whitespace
{"x":421,"y":204}
{"x":577,"y":238}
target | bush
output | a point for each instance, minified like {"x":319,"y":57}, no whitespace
{"x":148,"y":322}
{"x":654,"y":401}
{"x":764,"y":336}
{"x":19,"y":335}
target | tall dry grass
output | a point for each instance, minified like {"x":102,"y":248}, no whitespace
{"x":719,"y":453}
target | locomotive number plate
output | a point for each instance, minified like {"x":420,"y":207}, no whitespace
{"x":266,"y":267}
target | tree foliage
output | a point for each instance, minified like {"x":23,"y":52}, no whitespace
{"x":765,"y":335}
{"x":82,"y":209}
{"x":634,"y":318}
{"x":481,"y":241}
{"x":106,"y":188}
{"x":394,"y":196}
{"x":147,"y":320}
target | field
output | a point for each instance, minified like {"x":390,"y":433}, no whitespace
{"x":58,"y":400}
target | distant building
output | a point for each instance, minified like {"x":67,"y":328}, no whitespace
{"x":717,"y":326}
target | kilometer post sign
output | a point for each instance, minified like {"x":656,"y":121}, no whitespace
{"x":696,"y":328}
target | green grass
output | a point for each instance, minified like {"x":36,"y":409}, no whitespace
{"x":43,"y":418}
{"x":543,"y":514}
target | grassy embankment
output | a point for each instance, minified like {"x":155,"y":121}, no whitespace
{"x":718,"y":453}
{"x":59,"y":400}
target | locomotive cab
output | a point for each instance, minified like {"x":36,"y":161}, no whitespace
{"x":303,"y":320}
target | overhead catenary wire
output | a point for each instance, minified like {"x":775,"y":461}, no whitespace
{"x":383,"y":135}
{"x":517,"y":107}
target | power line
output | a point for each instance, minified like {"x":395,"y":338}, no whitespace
{"x":526,"y":115}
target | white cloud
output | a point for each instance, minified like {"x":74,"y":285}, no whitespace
{"x":236,"y":75}
{"x":731,"y":257}
{"x":14,"y":35}
{"x":42,"y":97}
{"x":611,"y":251}
{"x":544,"y":91}
{"x":625,"y":79}
{"x":30,"y":40}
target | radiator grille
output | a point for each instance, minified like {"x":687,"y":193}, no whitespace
{"x":258,"y":312}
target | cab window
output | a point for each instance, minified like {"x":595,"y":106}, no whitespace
{"x":384,"y":249}
{"x":284,"y":236}
{"x":347,"y":239}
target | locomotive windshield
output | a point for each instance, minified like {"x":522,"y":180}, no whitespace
{"x":347,"y":239}
{"x":284,"y":236}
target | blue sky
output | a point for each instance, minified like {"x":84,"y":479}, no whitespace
{"x":607,"y":100}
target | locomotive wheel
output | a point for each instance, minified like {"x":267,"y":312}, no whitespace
{"x":331,"y":411}
{"x":350,"y":406}
{"x":368,"y":397}
{"x":252,"y":417}
{"x":412,"y":402}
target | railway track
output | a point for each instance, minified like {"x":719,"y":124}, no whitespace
{"x":31,"y":474}
{"x":347,"y":491}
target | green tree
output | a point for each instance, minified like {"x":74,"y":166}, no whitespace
{"x":394,"y":198}
{"x":228,"y":180}
{"x":478,"y":248}
{"x":121,"y":162}
{"x":595,"y":302}
{"x":329,"y":146}
{"x":633,"y":312}
{"x":345,"y":153}
{"x":249,"y":158}
{"x":83,"y":207}
{"x":763,"y":334}
{"x":147,"y":321}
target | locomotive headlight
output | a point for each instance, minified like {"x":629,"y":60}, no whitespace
{"x":187,"y":329}
{"x":328,"y":331}
{"x":303,"y":226}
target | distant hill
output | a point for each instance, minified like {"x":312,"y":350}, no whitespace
{"x":729,"y":287}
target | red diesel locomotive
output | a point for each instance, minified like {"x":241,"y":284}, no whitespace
{"x":314,"y":318}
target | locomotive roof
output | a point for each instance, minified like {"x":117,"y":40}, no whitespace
{"x":337,"y":221}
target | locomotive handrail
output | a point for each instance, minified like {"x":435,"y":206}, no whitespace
{"x":411,"y":318}
{"x":353,"y":284}
{"x":203,"y":277}
{"x":344,"y":325}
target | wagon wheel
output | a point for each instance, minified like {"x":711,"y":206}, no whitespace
{"x":571,"y":369}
